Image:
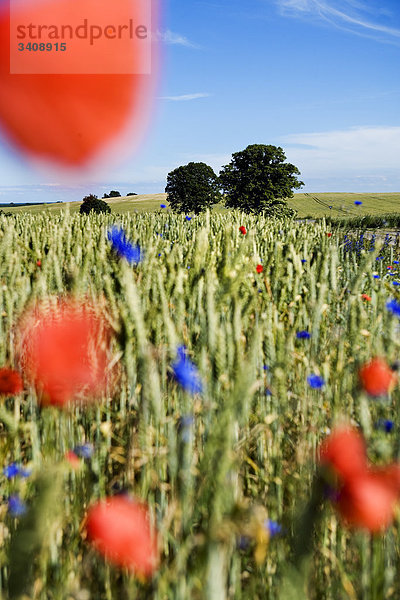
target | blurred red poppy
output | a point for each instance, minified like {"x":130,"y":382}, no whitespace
{"x":73,"y":459}
{"x":376,"y":377}
{"x":67,"y":106}
{"x":243,"y":229}
{"x":344,"y":450}
{"x":328,"y":235}
{"x":10,"y":382}
{"x":368,"y":501}
{"x":366,"y":297}
{"x":259,"y":268}
{"x":39,"y":263}
{"x":119,"y":528}
{"x":64,"y":351}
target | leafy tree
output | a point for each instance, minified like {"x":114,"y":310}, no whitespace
{"x":112,"y":194}
{"x":257,"y":180}
{"x":132,"y":194}
{"x":92,"y":202}
{"x":192,"y":188}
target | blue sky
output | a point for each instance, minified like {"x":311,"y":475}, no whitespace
{"x":320,"y":78}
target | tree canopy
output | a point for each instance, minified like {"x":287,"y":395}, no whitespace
{"x":192,"y":188}
{"x":93,"y":203}
{"x":258,"y":180}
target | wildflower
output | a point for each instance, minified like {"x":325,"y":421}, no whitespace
{"x":330,"y":207}
{"x":268,"y":392}
{"x":396,"y":282}
{"x":272,"y":527}
{"x":73,"y":459}
{"x":163,"y":206}
{"x":366,"y":297}
{"x":64,"y":352}
{"x":185,"y":373}
{"x":16,"y":507}
{"x":376,"y":276}
{"x":396,"y":262}
{"x":376,"y":377}
{"x":344,"y":451}
{"x":368,"y":501}
{"x":390,"y":267}
{"x":328,"y":235}
{"x":84,"y":451}
{"x":243,"y":230}
{"x":357,"y":202}
{"x":122,"y":246}
{"x":119,"y":529}
{"x":303,"y":335}
{"x":188,"y":218}
{"x":385,"y":424}
{"x":10,"y":382}
{"x":315,"y":381}
{"x":303,"y":260}
{"x":13,"y":470}
{"x":259,"y":268}
{"x":39,"y":263}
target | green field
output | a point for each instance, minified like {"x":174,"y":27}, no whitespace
{"x":215,"y":465}
{"x":313,"y":205}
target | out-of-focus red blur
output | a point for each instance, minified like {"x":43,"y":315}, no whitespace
{"x":64,"y":352}
{"x":119,"y":528}
{"x":69,"y":117}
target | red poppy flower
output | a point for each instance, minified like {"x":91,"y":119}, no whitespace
{"x":119,"y":529}
{"x":79,"y":100}
{"x":243,"y":230}
{"x":390,"y":267}
{"x":344,"y":450}
{"x":328,"y":235}
{"x":10,"y":382}
{"x":63,"y":352}
{"x":368,"y":501}
{"x":259,"y":268}
{"x":376,"y":377}
{"x":73,"y":459}
{"x":366,"y":297}
{"x":39,"y":263}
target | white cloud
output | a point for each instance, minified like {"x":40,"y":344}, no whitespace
{"x":368,"y":154}
{"x":174,"y":39}
{"x":364,"y":18}
{"x":184,"y":97}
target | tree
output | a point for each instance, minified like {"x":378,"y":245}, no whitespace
{"x":112,"y":194}
{"x":132,"y":194}
{"x":192,"y":188}
{"x":257,"y":180}
{"x":93,"y":203}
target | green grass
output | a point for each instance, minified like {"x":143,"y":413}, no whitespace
{"x":251,"y":448}
{"x":313,"y":205}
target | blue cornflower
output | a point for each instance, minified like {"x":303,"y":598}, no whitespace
{"x":303,"y":335}
{"x":268,"y":392}
{"x":163,"y":206}
{"x":395,"y":283}
{"x":393,"y":307}
{"x":303,"y":260}
{"x":188,"y":218}
{"x":396,"y":262}
{"x":385,"y":424}
{"x":13,"y":470}
{"x":84,"y":451}
{"x":315,"y":381}
{"x":376,"y":276}
{"x":266,"y":367}
{"x":273,"y":527}
{"x":330,"y":207}
{"x":357,"y":202}
{"x":122,"y":246}
{"x":186,"y":373}
{"x":159,"y":254}
{"x":16,"y":507}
